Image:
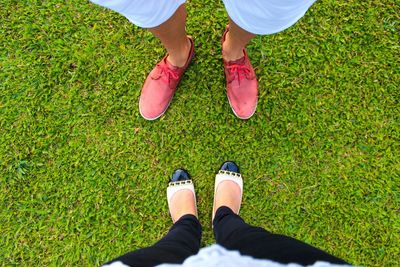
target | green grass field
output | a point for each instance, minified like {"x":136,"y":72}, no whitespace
{"x":83,"y":176}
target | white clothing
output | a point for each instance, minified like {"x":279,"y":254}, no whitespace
{"x":266,"y":16}
{"x":217,"y":256}
{"x":255,"y":16}
{"x":143,"y":13}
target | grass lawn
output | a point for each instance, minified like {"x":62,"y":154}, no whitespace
{"x":83,"y":176}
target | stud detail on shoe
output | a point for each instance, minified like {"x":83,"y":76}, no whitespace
{"x":180,"y":183}
{"x":229,"y":173}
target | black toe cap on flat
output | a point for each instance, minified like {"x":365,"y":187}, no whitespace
{"x":180,"y":175}
{"x":230,"y":166}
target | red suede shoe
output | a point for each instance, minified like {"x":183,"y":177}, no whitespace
{"x":160,"y":86}
{"x":241,"y":85}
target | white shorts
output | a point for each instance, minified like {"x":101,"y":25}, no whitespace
{"x":266,"y":16}
{"x":255,"y":16}
{"x":143,"y":13}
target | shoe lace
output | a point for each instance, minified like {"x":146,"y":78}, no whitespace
{"x":241,"y":71}
{"x":167,"y":74}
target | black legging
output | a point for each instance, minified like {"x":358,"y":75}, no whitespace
{"x":231,"y":232}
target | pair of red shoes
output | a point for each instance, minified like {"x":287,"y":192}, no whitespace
{"x":161,"y":84}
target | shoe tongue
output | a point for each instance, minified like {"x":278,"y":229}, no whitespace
{"x":239,"y":61}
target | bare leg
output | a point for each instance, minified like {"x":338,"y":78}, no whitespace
{"x":236,"y":40}
{"x":172,"y":34}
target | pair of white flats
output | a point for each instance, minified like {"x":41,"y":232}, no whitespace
{"x":186,"y":183}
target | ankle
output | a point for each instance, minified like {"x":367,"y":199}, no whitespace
{"x":232,"y":55}
{"x":230,"y":51}
{"x":178,"y":57}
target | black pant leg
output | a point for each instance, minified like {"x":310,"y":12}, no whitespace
{"x":233,"y":233}
{"x":181,"y":242}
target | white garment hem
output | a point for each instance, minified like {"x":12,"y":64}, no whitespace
{"x":143,"y":13}
{"x":266,"y":17}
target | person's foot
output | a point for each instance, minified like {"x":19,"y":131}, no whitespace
{"x":241,"y":83}
{"x":181,"y":195}
{"x":161,"y":84}
{"x":228,"y":188}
